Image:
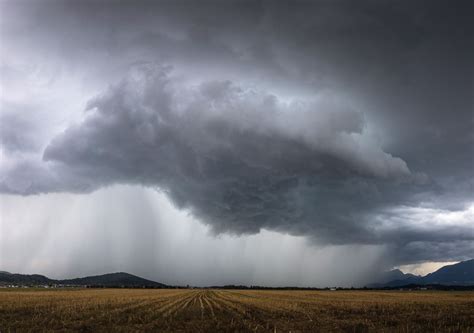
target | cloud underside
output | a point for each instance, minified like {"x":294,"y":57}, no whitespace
{"x":239,"y":159}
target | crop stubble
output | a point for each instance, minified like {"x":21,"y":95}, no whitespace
{"x":206,"y":310}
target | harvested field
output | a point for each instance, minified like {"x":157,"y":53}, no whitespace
{"x":203,"y":310}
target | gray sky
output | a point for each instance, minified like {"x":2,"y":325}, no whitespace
{"x":273,"y":142}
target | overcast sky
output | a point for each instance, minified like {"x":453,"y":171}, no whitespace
{"x":254,"y":142}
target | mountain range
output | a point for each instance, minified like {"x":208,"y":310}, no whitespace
{"x":460,"y":274}
{"x":119,"y":279}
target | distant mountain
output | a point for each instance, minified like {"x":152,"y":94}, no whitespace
{"x":390,"y":276}
{"x":114,"y":280}
{"x":460,"y":274}
{"x":397,"y":274}
{"x":120,"y":279}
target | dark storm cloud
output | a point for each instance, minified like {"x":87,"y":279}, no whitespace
{"x":239,"y":159}
{"x":313,"y":118}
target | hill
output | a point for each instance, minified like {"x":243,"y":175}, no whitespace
{"x":114,"y":280}
{"x":34,"y":279}
{"x":120,"y":279}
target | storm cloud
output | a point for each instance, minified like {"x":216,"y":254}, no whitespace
{"x":346,"y":124}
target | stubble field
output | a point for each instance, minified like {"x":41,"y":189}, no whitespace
{"x":203,"y":310}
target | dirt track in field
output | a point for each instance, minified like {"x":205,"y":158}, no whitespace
{"x":204,"y":310}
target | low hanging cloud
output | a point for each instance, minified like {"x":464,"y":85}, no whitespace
{"x":239,"y":159}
